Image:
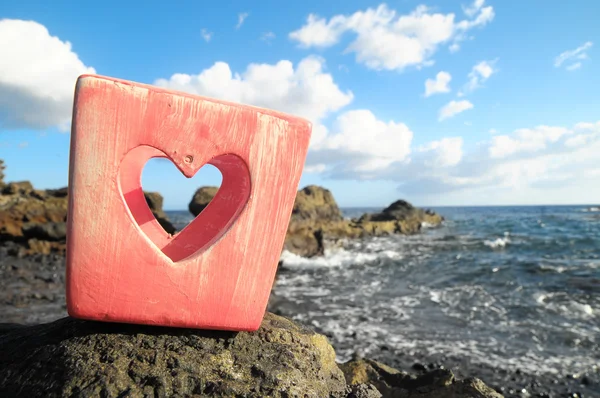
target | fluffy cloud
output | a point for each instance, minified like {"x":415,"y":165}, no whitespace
{"x":438,"y":85}
{"x":385,"y":40}
{"x":526,"y":140}
{"x":359,"y":141}
{"x":453,"y":108}
{"x":573,"y":57}
{"x":530,"y":162}
{"x":304,"y":91}
{"x":478,"y":75}
{"x":443,"y":153}
{"x":37,"y":77}
{"x":241,"y":18}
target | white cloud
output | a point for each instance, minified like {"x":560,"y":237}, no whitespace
{"x":525,"y":140}
{"x":443,"y":153}
{"x":453,"y":108}
{"x":473,"y":9}
{"x":571,"y":57}
{"x":364,"y":143}
{"x":38,"y":72}
{"x":305,"y":91}
{"x":438,"y":85}
{"x":542,"y":164}
{"x":241,"y":18}
{"x":385,"y":40}
{"x":206,"y":35}
{"x":268,"y":37}
{"x":481,"y":72}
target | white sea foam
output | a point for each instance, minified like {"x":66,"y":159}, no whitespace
{"x":497,"y":243}
{"x":591,"y":209}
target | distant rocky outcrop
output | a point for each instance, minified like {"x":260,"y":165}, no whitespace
{"x":36,"y":219}
{"x":155,"y":202}
{"x":315,"y":203}
{"x":317,"y":221}
{"x":72,"y":357}
{"x":2,"y":167}
{"x":201,"y":199}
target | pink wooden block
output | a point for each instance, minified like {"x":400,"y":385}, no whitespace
{"x":216,"y":273}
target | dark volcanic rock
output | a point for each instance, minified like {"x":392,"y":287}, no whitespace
{"x":317,"y":222}
{"x":399,"y":210}
{"x":155,"y":202}
{"x":315,"y":203}
{"x":201,"y":199}
{"x":2,"y":167}
{"x":51,"y":231}
{"x":80,"y":358}
{"x":36,"y":219}
{"x":390,"y":382}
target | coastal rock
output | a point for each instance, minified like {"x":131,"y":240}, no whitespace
{"x":314,"y":203}
{"x":36,"y":219}
{"x":30,"y":215}
{"x":317,"y":221}
{"x":201,"y":199}
{"x":80,"y":358}
{"x":390,"y":382}
{"x":2,"y":167}
{"x":155,"y":202}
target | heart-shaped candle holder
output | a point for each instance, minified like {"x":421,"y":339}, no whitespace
{"x":217,"y":273}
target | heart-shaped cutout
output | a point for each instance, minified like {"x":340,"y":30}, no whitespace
{"x":209,"y":226}
{"x":168,"y":196}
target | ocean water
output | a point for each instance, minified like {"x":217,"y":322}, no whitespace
{"x":511,"y":287}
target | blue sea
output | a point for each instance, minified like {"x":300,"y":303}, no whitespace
{"x":510,"y":287}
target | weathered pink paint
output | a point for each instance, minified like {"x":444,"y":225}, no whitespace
{"x":217,"y":273}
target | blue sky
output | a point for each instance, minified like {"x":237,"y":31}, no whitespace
{"x":517,"y":81}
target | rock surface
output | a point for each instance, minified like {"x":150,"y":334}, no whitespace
{"x":315,"y":203}
{"x":317,"y":221}
{"x":155,"y":202}
{"x":390,"y":382}
{"x":80,"y":358}
{"x":72,"y":357}
{"x":201,"y":199}
{"x":36,"y":219}
{"x":2,"y":167}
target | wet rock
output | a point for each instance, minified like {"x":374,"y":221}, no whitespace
{"x":201,"y":199}
{"x":391,"y":382}
{"x":80,"y":358}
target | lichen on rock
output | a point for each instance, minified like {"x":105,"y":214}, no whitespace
{"x":80,"y":358}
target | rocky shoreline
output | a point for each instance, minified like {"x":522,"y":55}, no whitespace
{"x":33,"y":293}
{"x":35,"y":219}
{"x":42,"y":353}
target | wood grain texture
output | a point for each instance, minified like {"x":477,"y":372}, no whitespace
{"x":216,"y":273}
